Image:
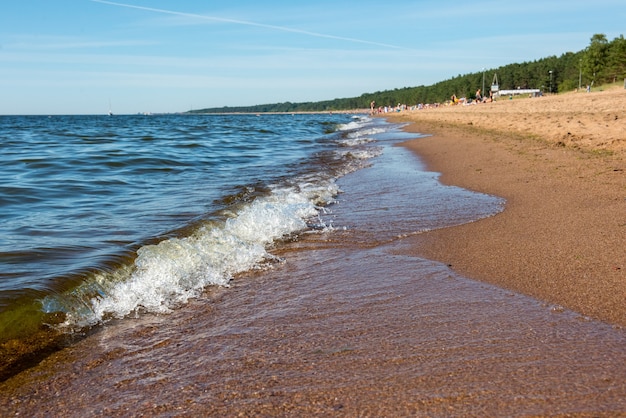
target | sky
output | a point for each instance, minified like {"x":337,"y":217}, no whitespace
{"x":135,"y":56}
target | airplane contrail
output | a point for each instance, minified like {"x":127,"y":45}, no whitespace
{"x":248,"y":23}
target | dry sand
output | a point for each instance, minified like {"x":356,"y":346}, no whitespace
{"x":559,"y":162}
{"x":590,"y":121}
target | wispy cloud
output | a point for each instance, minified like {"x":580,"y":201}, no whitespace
{"x":249,"y":23}
{"x":60,"y":43}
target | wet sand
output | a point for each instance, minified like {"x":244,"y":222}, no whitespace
{"x":353,"y":326}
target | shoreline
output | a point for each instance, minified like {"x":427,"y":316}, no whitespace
{"x":562,"y":235}
{"x":349,"y":325}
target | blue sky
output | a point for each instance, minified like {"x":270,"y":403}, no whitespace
{"x":82,"y":56}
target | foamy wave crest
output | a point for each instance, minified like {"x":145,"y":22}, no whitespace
{"x":168,"y":274}
{"x":354,"y":141}
{"x":367,"y":132}
{"x":361,"y":155}
{"x":349,"y":126}
{"x":360,"y":131}
{"x":357,"y":122}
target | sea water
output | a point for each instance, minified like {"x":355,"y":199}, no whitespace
{"x":109,"y":216}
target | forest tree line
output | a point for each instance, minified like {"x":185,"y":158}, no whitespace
{"x":602,"y":62}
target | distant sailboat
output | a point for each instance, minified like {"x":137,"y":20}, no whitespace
{"x":110,"y":111}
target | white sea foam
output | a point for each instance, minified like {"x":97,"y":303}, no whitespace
{"x":168,"y":274}
{"x":367,"y":132}
{"x":364,"y":154}
{"x":361,"y":130}
{"x":354,"y":141}
{"x":355,"y":124}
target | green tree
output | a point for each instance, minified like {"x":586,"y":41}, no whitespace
{"x":594,"y":61}
{"x":616,"y":60}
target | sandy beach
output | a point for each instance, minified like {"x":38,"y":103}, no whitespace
{"x":560,"y":163}
{"x":589,"y":121}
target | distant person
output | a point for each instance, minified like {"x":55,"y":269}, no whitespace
{"x":372,"y":104}
{"x":479,"y":97}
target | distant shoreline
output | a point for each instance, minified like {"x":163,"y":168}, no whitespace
{"x":341,"y":112}
{"x":192,"y":113}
